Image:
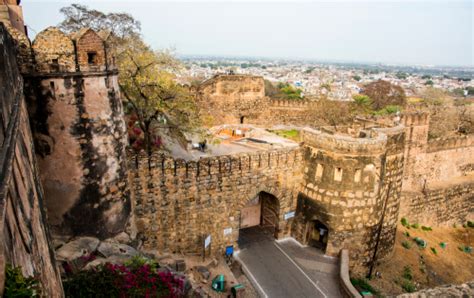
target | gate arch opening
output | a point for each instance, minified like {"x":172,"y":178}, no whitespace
{"x":260,"y":216}
{"x":318,"y":235}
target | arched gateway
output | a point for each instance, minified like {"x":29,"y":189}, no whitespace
{"x":259,"y":217}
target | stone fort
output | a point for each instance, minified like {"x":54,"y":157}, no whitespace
{"x":66,"y":170}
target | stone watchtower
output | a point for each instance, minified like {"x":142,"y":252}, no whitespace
{"x":80,"y":135}
{"x":351,"y":192}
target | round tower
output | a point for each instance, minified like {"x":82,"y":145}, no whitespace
{"x":80,"y":134}
{"x":344,"y":203}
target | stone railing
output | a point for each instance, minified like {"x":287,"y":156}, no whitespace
{"x":347,"y":289}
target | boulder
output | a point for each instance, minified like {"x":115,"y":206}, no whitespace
{"x":108,"y":249}
{"x":112,"y":260}
{"x":77,"y":248}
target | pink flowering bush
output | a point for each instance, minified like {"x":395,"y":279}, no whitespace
{"x":130,"y":280}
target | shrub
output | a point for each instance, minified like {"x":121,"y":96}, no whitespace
{"x":408,"y":286}
{"x":136,"y":279}
{"x":404,"y":222}
{"x":406,"y":244}
{"x":424,"y":228}
{"x":443,"y":245}
{"x":470,"y":224}
{"x":433,"y":250}
{"x":16,"y":285}
{"x":415,"y":225}
{"x":406,"y":233}
{"x":407,"y":274}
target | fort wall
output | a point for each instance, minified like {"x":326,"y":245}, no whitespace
{"x":431,"y":162}
{"x":177,"y":203}
{"x":24,"y":234}
{"x":441,"y":206}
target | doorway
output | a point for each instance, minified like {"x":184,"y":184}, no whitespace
{"x":318,"y":235}
{"x":259,"y":219}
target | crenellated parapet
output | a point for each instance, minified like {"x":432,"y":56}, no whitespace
{"x":450,"y":143}
{"x":280,"y":103}
{"x":83,"y":51}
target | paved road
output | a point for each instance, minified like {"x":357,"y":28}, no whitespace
{"x":285,"y":269}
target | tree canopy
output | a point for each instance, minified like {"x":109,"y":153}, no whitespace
{"x":146,"y":77}
{"x":383,"y":93}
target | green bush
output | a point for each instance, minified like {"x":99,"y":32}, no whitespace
{"x":443,"y":245}
{"x":470,"y":224}
{"x":433,"y":250}
{"x":424,"y":228}
{"x":415,"y":225}
{"x":404,"y":222}
{"x":407,"y":274}
{"x":408,"y":286}
{"x":406,"y":244}
{"x":406,"y":233}
{"x":16,"y":285}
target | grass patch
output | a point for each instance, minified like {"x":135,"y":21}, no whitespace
{"x":292,"y":134}
{"x":408,"y":286}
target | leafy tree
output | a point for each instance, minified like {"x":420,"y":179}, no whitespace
{"x":150,"y":90}
{"x":146,"y":77}
{"x":429,"y":83}
{"x":77,"y":16}
{"x":401,"y":75}
{"x":383,"y":93}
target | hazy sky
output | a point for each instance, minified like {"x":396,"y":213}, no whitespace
{"x":406,"y":31}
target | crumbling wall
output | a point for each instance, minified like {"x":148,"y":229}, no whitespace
{"x":24,"y":234}
{"x":178,"y":202}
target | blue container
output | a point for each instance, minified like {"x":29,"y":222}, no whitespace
{"x":229,"y":250}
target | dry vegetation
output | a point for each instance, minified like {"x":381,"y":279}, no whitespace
{"x":429,"y":267}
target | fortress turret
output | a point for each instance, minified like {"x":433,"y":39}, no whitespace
{"x":80,"y":134}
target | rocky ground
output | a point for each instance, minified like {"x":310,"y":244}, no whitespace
{"x":84,"y":253}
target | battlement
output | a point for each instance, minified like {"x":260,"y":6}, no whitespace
{"x":416,"y":119}
{"x":449,"y":143}
{"x":84,"y":51}
{"x":225,"y":164}
{"x":375,"y":143}
{"x":291,"y":103}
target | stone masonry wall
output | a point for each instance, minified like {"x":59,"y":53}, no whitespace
{"x":442,"y":206}
{"x":24,"y":234}
{"x":178,"y":202}
{"x":345,"y":188}
{"x":433,"y":162}
{"x":80,"y":138}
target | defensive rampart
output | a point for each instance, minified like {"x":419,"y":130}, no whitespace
{"x":177,"y":203}
{"x":24,"y":236}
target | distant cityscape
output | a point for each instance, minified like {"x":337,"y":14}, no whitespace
{"x":337,"y":80}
